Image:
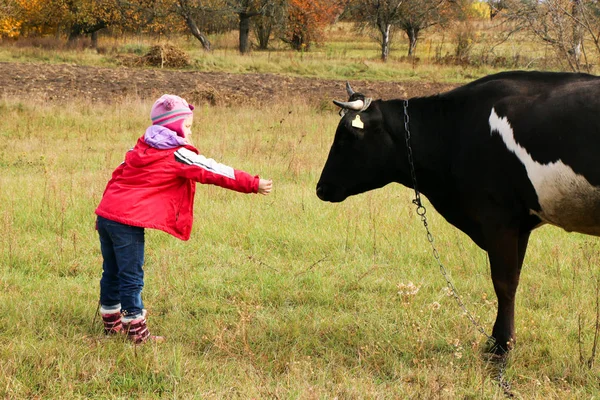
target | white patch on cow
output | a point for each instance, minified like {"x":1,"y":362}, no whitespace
{"x":566,"y":199}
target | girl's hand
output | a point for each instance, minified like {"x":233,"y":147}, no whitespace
{"x":265,"y":186}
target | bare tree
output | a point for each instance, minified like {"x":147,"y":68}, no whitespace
{"x":410,"y":16}
{"x":562,"y":24}
{"x":589,"y":19}
{"x":577,"y":41}
{"x":383,"y":16}
{"x":188,"y":10}
{"x":272,"y":18}
{"x":418,"y":15}
{"x":7,"y":7}
{"x":247,"y":9}
{"x":496,"y":6}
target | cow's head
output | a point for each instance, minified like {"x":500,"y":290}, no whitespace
{"x":361,"y":157}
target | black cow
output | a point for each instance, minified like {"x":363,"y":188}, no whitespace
{"x":497,"y":158}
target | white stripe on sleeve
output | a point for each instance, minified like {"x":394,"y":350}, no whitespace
{"x":187,"y":156}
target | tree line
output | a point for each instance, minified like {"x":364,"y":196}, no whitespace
{"x":570,"y":27}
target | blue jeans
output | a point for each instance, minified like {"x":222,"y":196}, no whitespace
{"x":122,"y":280}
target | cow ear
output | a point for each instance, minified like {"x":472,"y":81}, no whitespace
{"x":357,"y":96}
{"x":352,"y":95}
{"x":357,"y":101}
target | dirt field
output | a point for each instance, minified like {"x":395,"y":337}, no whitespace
{"x":61,"y":82}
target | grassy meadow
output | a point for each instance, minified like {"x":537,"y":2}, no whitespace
{"x":281,"y":296}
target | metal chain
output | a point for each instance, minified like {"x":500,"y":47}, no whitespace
{"x":421,"y":212}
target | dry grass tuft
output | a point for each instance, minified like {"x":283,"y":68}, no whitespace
{"x":204,"y":93}
{"x":163,"y":56}
{"x":166,"y":55}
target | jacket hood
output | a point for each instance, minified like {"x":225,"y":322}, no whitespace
{"x":160,"y":137}
{"x":144,"y":154}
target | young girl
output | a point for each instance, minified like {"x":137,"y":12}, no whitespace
{"x":153,"y":188}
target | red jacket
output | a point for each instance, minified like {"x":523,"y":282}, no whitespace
{"x":155,"y":188}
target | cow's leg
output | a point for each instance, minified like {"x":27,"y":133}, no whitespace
{"x":523,"y":241}
{"x":506,"y":250}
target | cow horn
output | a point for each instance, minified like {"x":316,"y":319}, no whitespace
{"x":350,"y":105}
{"x":349,"y":89}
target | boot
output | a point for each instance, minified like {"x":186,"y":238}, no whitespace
{"x":137,"y":331}
{"x":112,"y":321}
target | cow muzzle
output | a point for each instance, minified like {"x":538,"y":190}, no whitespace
{"x":330,"y":193}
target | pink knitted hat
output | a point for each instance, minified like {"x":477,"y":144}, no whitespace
{"x":171,"y":111}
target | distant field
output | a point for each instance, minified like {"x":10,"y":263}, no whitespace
{"x":273,"y":297}
{"x":346,"y":53}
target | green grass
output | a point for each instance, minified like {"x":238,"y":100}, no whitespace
{"x":281,"y":296}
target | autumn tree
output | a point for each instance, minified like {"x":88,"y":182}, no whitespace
{"x":76,"y":18}
{"x":10,"y":20}
{"x":87,"y":17}
{"x":150,"y":16}
{"x":306,"y":21}
{"x":269,"y":21}
{"x":204,"y":16}
{"x":267,"y":15}
{"x":7,"y":7}
{"x":189,"y":10}
{"x":41,"y":17}
{"x":496,"y":6}
{"x":195,"y":13}
{"x":199,"y":17}
{"x":245,"y":10}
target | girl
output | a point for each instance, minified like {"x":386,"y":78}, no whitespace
{"x":153,"y":188}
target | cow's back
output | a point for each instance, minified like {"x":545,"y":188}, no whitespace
{"x":551,"y":123}
{"x":525,"y":82}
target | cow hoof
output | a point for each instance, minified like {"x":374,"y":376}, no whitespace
{"x":493,"y":348}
